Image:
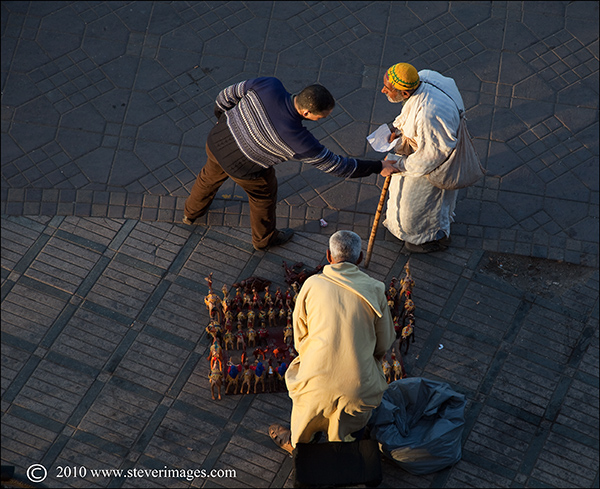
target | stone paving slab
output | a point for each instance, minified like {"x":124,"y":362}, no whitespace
{"x":105,"y":358}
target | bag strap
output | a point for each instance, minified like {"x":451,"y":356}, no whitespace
{"x":460,"y":112}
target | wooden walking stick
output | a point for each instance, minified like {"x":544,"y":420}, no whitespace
{"x":384,"y":190}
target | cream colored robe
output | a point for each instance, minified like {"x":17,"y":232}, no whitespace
{"x":416,"y":209}
{"x":342,"y":329}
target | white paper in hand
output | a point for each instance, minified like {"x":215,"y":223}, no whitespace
{"x":380,"y":139}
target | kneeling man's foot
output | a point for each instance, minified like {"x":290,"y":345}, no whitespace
{"x":281,"y":436}
{"x":429,"y":247}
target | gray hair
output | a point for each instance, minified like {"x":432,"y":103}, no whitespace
{"x":345,"y":246}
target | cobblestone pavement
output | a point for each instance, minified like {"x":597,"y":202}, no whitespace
{"x":105,"y":111}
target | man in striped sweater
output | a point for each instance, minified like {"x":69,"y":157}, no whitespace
{"x":260,"y":125}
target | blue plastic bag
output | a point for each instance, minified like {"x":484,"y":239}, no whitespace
{"x":419,"y":425}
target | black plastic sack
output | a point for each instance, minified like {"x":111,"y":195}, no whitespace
{"x":419,"y":425}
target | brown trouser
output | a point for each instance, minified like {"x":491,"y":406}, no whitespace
{"x":262,"y":197}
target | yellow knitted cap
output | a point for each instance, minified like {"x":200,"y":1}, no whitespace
{"x":403,"y":76}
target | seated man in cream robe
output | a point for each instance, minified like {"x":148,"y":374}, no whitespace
{"x":419,"y":213}
{"x":342,"y":329}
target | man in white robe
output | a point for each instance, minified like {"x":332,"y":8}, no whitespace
{"x":419,"y":213}
{"x":342,"y":330}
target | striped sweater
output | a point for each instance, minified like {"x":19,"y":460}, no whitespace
{"x":265,"y":127}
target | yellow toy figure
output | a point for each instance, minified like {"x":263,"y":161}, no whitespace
{"x":252,"y":338}
{"x":241,"y":342}
{"x":216,"y":380}
{"x":407,"y":283}
{"x":272,"y":315}
{"x":397,"y":368}
{"x":216,"y":355}
{"x":288,"y":335}
{"x":228,"y":338}
{"x":251,"y":317}
{"x":246,"y":379}
{"x":387,"y":370}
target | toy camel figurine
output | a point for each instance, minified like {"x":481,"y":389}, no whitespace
{"x":216,"y":354}
{"x":252,"y":338}
{"x":288,"y":335}
{"x":240,"y":343}
{"x":247,"y":377}
{"x":408,"y":332}
{"x":228,"y":338}
{"x":407,"y":283}
{"x":232,"y":378}
{"x":397,"y":368}
{"x":387,"y":370}
{"x":272,"y":315}
{"x":216,"y":380}
{"x":259,"y":376}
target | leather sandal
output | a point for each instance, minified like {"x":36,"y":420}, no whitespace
{"x":281,"y":437}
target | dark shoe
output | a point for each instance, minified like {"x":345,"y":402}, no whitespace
{"x":429,"y":247}
{"x":281,"y":437}
{"x":282,"y":236}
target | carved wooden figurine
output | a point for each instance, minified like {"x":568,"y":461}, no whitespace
{"x":397,"y":368}
{"x":259,"y":376}
{"x":387,"y":370}
{"x":216,"y":380}
{"x":232,"y":378}
{"x":247,"y":377}
{"x":240,"y":343}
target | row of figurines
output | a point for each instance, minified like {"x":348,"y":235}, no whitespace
{"x":241,"y":339}
{"x":243,"y":301}
{"x":243,"y":375}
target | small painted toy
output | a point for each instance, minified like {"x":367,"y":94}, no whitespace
{"x":387,"y":370}
{"x":216,"y":380}
{"x":247,"y":377}
{"x":259,"y":376}
{"x":232,"y":378}
{"x":397,"y":368}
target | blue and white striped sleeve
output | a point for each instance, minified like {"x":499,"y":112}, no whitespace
{"x":229,"y":97}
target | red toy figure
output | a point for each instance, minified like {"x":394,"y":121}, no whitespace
{"x":240,"y":339}
{"x":263,"y":334}
{"x":259,"y":352}
{"x":256,"y":301}
{"x":280,"y":352}
{"x":278,"y":298}
{"x":238,"y":300}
